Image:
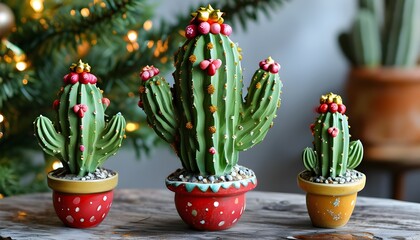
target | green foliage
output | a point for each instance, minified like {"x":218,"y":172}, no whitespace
{"x":54,"y":38}
{"x":371,"y":43}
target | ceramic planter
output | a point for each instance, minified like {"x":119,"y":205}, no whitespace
{"x":330,"y":205}
{"x":383,"y":105}
{"x":211,"y":207}
{"x":82,"y":204}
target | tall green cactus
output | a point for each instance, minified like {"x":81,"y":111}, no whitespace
{"x":204,"y":116}
{"x":333,"y":152}
{"x":368,"y":44}
{"x":81,"y":139}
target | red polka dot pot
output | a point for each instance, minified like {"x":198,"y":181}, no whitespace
{"x":211,"y":207}
{"x":82,"y":204}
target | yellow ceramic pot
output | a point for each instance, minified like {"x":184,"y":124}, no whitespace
{"x":330,"y":205}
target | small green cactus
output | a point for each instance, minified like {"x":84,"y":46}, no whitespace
{"x":203,"y":116}
{"x":81,"y":139}
{"x":368,"y":44}
{"x":333,"y":153}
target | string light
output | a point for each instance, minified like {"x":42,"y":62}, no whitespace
{"x":148,"y":25}
{"x":25,"y":81}
{"x":1,"y":130}
{"x":21,"y":66}
{"x":37,"y":5}
{"x":1,"y":196}
{"x":131,"y":127}
{"x":85,"y":12}
{"x":132,"y":35}
{"x":56,"y":165}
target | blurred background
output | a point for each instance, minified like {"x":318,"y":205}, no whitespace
{"x":301,"y":35}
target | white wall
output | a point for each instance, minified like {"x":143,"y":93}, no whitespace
{"x":302,"y":37}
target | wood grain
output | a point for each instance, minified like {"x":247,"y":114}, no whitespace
{"x":151,"y":214}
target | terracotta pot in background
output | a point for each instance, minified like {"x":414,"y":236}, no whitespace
{"x":384,"y":105}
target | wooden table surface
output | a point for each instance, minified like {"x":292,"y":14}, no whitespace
{"x":151,"y":214}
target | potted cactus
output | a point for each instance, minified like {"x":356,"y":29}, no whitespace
{"x":82,"y":140}
{"x":205,"y":120}
{"x":330,"y":180}
{"x":384,"y":83}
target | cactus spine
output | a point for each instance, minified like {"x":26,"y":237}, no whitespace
{"x":204,"y":117}
{"x":81,"y":139}
{"x":333,"y":152}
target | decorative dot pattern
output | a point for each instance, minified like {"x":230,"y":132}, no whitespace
{"x":212,"y":214}
{"x":82,"y":211}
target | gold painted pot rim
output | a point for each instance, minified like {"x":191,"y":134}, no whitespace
{"x":331,"y":189}
{"x":81,"y":187}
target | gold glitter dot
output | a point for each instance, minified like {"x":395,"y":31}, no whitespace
{"x":209,"y":46}
{"x":213,"y":109}
{"x":258,"y":85}
{"x":210,"y":89}
{"x":189,"y":125}
{"x":212,"y":129}
{"x":158,"y":82}
{"x":192,"y":58}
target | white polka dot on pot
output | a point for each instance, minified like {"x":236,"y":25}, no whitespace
{"x":221,"y":223}
{"x":194,"y":213}
{"x":76,"y":200}
{"x":70,"y":219}
{"x":98,"y":208}
{"x":77,"y":209}
{"x":216,"y":204}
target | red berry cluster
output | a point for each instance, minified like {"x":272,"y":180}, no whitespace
{"x":210,"y":66}
{"x":80,"y":109}
{"x":204,"y":28}
{"x":148,"y":72}
{"x":270,"y":65}
{"x":83,"y":78}
{"x":332,"y":108}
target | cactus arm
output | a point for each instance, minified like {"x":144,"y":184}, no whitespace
{"x":344,"y":39}
{"x":157,"y":101}
{"x":401,"y":36}
{"x":259,"y":109}
{"x":49,"y":139}
{"x":355,"y":154}
{"x":366,"y":39}
{"x":109,"y":140}
{"x":309,"y":159}
{"x":371,"y":6}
